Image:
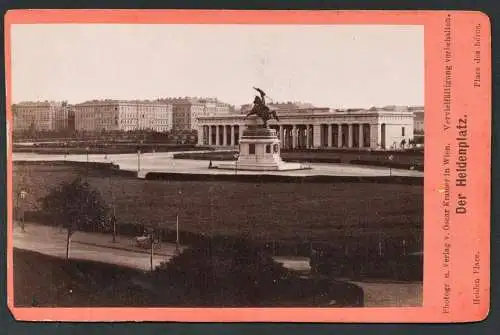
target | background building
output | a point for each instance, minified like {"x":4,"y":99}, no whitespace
{"x":390,"y":127}
{"x":119,"y":115}
{"x":46,"y":116}
{"x":187,"y":110}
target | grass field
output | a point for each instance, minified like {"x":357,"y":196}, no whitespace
{"x":282,"y":211}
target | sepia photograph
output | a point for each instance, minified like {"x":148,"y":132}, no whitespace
{"x":217,"y":165}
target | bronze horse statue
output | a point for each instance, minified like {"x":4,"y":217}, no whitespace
{"x":261,"y":109}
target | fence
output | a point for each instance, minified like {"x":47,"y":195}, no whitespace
{"x":366,"y":255}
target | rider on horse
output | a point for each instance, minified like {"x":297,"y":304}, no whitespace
{"x":261,"y":109}
{"x":260,"y":101}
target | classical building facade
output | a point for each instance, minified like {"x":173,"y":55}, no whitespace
{"x":119,"y":115}
{"x":374,"y":128}
{"x":40,"y":116}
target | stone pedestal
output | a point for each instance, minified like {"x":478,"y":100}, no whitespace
{"x":260,"y":151}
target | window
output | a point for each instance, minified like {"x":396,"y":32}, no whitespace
{"x":251,"y":149}
{"x":402,"y":131}
{"x":276,"y":148}
{"x":268,"y":149}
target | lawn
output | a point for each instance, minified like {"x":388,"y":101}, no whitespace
{"x":282,"y":211}
{"x":45,"y":281}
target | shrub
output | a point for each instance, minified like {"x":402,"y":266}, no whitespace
{"x":222,"y":272}
{"x":217,"y":272}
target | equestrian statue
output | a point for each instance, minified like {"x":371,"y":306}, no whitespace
{"x":261,"y":109}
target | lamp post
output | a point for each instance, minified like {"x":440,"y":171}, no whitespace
{"x":391,"y":158}
{"x":21,"y":197}
{"x":177,"y":239}
{"x":87,"y":151}
{"x":113,"y":216}
{"x":138,"y":160}
{"x":139,"y":147}
{"x":113,"y":221}
{"x":236,"y":156}
{"x":152,"y":241}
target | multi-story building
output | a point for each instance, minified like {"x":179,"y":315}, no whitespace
{"x":120,"y":115}
{"x":187,"y":110}
{"x":49,"y":116}
{"x":312,"y":127}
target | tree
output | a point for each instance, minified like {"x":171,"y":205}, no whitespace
{"x":77,"y":206}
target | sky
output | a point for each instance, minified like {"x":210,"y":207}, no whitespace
{"x":336,"y":66}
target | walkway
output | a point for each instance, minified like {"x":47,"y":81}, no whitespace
{"x":164,"y":162}
{"x":89,"y":246}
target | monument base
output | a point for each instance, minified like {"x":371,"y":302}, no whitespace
{"x":260,"y":151}
{"x":283,"y":166}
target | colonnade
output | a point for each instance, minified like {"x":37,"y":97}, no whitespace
{"x":221,"y":135}
{"x":292,"y":136}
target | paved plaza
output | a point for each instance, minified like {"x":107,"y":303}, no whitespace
{"x":164,"y":162}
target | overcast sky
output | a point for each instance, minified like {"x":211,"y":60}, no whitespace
{"x":335,"y":66}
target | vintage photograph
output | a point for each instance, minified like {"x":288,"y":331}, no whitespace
{"x":217,"y":165}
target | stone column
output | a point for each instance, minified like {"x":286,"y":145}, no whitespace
{"x":287,"y":131}
{"x":368,"y":134}
{"x":360,"y":137}
{"x":349,"y":140}
{"x":217,"y":134}
{"x":294,"y":136}
{"x":379,"y":136}
{"x":316,"y":136}
{"x":308,"y":136}
{"x":209,"y":135}
{"x":231,"y":138}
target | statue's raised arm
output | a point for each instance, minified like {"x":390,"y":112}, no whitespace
{"x":261,"y":92}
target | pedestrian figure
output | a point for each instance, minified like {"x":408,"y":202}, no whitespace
{"x":210,"y":164}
